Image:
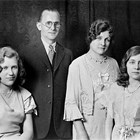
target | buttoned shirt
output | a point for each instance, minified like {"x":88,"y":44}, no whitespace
{"x":46,"y":45}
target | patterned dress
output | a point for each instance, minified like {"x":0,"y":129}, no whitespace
{"x":125,"y":109}
{"x":85,"y":97}
{"x":12,"y":112}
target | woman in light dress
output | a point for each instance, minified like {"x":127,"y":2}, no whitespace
{"x":89,"y":76}
{"x":16,"y":103}
{"x":124,"y":101}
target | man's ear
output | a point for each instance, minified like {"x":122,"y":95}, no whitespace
{"x":38,"y":25}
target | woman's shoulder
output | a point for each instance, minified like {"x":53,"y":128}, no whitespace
{"x":24,"y":92}
{"x":116,"y":86}
{"x":111,"y":59}
{"x":115,"y":92}
{"x":115,"y":89}
{"x":78,"y":61}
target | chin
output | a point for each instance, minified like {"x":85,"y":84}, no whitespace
{"x":101,"y":53}
{"x":52,"y":37}
{"x":10,"y":84}
{"x":136,"y":78}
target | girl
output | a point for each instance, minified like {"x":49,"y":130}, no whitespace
{"x":16,"y":103}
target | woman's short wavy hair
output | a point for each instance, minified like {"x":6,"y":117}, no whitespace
{"x":9,"y":52}
{"x":123,"y":78}
{"x":98,"y":26}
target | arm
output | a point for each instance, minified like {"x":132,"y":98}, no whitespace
{"x":27,"y":128}
{"x":80,"y":129}
{"x":108,"y":127}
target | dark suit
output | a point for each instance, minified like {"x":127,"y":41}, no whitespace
{"x":48,"y":85}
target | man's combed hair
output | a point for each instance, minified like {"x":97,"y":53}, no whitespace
{"x":49,"y":8}
{"x":123,"y":78}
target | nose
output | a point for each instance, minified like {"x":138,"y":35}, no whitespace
{"x":53,"y":27}
{"x":10,"y":71}
{"x":103,"y":42}
{"x":137,"y":66}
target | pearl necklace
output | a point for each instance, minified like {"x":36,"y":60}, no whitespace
{"x":100,"y":61}
{"x":131,"y":92}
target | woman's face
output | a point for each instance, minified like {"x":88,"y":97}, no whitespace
{"x":101,"y":43}
{"x":133,"y":67}
{"x":9,"y":71}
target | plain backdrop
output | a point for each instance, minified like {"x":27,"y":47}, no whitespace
{"x":18,"y":23}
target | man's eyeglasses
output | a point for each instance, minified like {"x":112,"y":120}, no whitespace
{"x":49,"y":24}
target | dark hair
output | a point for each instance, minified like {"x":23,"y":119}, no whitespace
{"x":9,"y":52}
{"x":52,"y":9}
{"x":98,"y":26}
{"x":123,"y":78}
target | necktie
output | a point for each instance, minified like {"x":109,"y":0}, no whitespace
{"x":51,"y":53}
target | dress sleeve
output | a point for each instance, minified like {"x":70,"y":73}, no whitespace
{"x":29,"y":103}
{"x":72,"y":110}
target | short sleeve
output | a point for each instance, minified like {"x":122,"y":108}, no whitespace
{"x":29,"y":103}
{"x":72,"y":101}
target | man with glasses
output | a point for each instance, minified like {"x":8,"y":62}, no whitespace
{"x":47,"y":65}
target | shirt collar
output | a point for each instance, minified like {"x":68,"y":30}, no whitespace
{"x":46,"y":45}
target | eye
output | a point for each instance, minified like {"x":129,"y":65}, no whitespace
{"x":108,"y":39}
{"x":131,"y":62}
{"x":15,"y":67}
{"x":99,"y":37}
{"x":48,"y":23}
{"x":57,"y":23}
{"x":5,"y":68}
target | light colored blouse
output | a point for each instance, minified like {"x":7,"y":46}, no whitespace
{"x":85,"y":96}
{"x":13,"y":109}
{"x":125,"y":109}
{"x":82,"y":81}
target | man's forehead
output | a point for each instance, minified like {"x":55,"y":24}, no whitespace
{"x":50,"y":15}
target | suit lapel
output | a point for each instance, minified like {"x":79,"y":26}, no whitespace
{"x":41,"y":53}
{"x":58,"y":56}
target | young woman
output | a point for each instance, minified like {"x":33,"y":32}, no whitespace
{"x":16,"y":103}
{"x":89,"y":75}
{"x":124,"y":103}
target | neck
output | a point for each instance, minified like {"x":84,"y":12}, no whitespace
{"x":48,"y":40}
{"x":133,"y":82}
{"x":133,"y":85}
{"x":100,"y":59}
{"x":4,"y":89}
{"x":96,"y":55}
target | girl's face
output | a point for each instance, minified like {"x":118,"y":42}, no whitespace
{"x":133,"y":67}
{"x":101,"y":43}
{"x":9,"y":71}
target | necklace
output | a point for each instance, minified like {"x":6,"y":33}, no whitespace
{"x":131,"y":92}
{"x":8,"y":94}
{"x":100,"y":61}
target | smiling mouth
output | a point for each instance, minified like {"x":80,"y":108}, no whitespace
{"x":11,"y":79}
{"x":136,"y":72}
{"x":102,"y":48}
{"x":52,"y":32}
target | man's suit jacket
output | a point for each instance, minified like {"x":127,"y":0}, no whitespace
{"x":48,"y":86}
